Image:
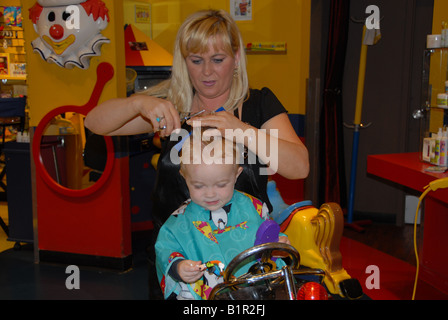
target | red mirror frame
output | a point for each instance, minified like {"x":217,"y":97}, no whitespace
{"x":105,"y":72}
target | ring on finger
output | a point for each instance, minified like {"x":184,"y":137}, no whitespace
{"x":158,"y":119}
{"x":162,"y":128}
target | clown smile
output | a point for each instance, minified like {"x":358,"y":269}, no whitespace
{"x":61,"y":46}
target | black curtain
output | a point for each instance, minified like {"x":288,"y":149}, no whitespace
{"x":332,"y":181}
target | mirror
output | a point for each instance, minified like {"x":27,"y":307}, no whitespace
{"x":60,"y":139}
{"x":74,"y":157}
{"x":70,"y":158}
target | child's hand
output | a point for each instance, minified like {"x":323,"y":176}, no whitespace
{"x":283,"y":239}
{"x":190,"y":271}
{"x":281,"y":254}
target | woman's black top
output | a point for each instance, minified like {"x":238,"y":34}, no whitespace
{"x":170,"y":189}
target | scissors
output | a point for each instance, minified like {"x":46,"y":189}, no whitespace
{"x":179,"y":145}
{"x":182,"y":121}
{"x":191,"y":116}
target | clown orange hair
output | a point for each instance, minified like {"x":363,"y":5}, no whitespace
{"x":35,"y":12}
{"x":95,"y":7}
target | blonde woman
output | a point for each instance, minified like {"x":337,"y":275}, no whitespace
{"x":208,"y":72}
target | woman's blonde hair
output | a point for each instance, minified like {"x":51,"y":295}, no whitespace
{"x":194,"y":36}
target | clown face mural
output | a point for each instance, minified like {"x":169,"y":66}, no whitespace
{"x":69,"y":31}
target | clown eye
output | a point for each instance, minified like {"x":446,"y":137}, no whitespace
{"x":65,"y":15}
{"x":51,"y":16}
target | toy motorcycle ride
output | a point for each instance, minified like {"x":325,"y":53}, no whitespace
{"x":315,"y":236}
{"x":264,"y":281}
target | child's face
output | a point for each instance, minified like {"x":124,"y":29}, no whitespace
{"x":211,"y":185}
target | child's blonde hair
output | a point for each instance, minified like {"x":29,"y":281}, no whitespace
{"x":207,"y":145}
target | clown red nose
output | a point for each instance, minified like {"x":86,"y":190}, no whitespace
{"x":69,"y":30}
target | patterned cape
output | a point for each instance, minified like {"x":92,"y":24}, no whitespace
{"x":190,"y":233}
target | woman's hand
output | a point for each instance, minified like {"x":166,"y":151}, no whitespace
{"x":160,"y":112}
{"x":190,"y":271}
{"x":221,"y":120}
{"x":276,"y":145}
{"x":134,"y":115}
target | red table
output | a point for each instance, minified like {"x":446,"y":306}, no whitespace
{"x":407,"y":170}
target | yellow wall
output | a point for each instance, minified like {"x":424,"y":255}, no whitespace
{"x":12,"y":3}
{"x":50,"y":86}
{"x":287,"y":21}
{"x":129,"y":16}
{"x":273,"y":20}
{"x":440,"y":14}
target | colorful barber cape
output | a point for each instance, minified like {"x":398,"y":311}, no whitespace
{"x":194,"y":233}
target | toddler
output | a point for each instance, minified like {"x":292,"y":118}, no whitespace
{"x":217,"y":223}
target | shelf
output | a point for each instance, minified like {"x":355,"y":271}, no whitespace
{"x":436,"y":49}
{"x":406,"y":170}
{"x":438,"y":107}
{"x":266,"y":52}
{"x":266,"y":48}
{"x":20,"y":78}
{"x":12,"y":46}
{"x":435,"y":70}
